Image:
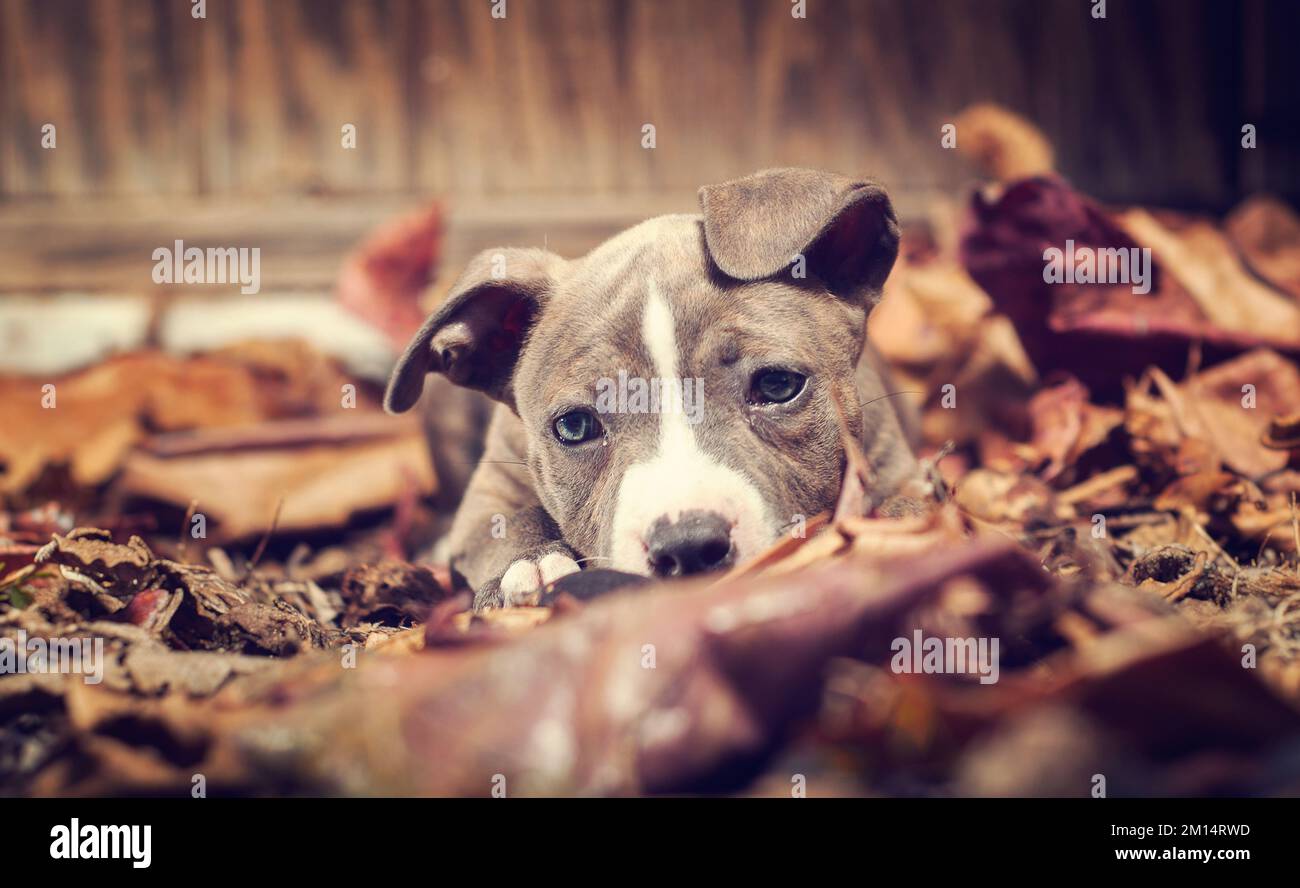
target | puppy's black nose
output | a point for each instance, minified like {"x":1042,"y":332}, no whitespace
{"x":696,"y":542}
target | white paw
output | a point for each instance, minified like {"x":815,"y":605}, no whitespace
{"x":526,"y":577}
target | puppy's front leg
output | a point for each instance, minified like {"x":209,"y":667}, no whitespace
{"x":502,"y":541}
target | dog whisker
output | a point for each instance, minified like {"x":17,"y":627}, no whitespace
{"x":890,"y":395}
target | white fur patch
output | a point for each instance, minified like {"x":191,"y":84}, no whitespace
{"x":520,"y":580}
{"x":680,"y":476}
{"x":525,"y":578}
{"x":556,"y":565}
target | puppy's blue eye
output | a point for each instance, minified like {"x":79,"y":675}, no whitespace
{"x":776,"y":386}
{"x":576,"y":426}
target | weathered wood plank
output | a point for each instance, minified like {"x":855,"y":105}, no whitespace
{"x":280,"y":78}
{"x":551,"y":99}
{"x":529,"y":102}
{"x":113,"y":77}
{"x":106,"y":245}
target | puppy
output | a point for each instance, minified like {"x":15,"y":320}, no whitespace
{"x":667,"y":404}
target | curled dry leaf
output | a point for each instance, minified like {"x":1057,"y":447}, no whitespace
{"x":90,"y":552}
{"x":311,"y":476}
{"x":1198,"y":294}
{"x":1224,"y":413}
{"x":384,"y":279}
{"x":103,"y":412}
{"x":1266,"y":232}
{"x":389,"y":592}
{"x":1004,"y":145}
{"x":1066,"y":426}
{"x":1205,"y":264}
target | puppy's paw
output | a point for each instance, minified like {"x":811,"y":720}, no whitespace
{"x":526,"y":577}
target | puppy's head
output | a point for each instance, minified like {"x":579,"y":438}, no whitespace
{"x":679,"y":384}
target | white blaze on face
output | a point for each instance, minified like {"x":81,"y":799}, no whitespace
{"x":680,"y":476}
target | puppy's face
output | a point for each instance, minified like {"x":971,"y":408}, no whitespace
{"x":681,"y":385}
{"x":678,"y":419}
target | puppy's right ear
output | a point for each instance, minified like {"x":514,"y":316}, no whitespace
{"x":475,"y":337}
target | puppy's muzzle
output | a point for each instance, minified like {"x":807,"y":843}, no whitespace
{"x":697,"y":542}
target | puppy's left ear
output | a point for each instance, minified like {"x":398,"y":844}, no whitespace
{"x":845,"y":229}
{"x":475,"y":338}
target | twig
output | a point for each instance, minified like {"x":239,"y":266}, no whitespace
{"x":1187,"y":583}
{"x":1209,"y":539}
{"x":1268,"y":535}
{"x":266,"y":538}
{"x":1098,"y":483}
{"x":1122,"y":522}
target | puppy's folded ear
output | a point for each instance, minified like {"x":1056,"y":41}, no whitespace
{"x":844,"y":228}
{"x":475,"y":337}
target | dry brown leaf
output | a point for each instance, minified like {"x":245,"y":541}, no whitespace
{"x":1003,"y":144}
{"x":1218,"y":415}
{"x":1066,"y":426}
{"x":320,"y":486}
{"x":1267,"y":234}
{"x":1203,"y":261}
{"x":99,"y":414}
